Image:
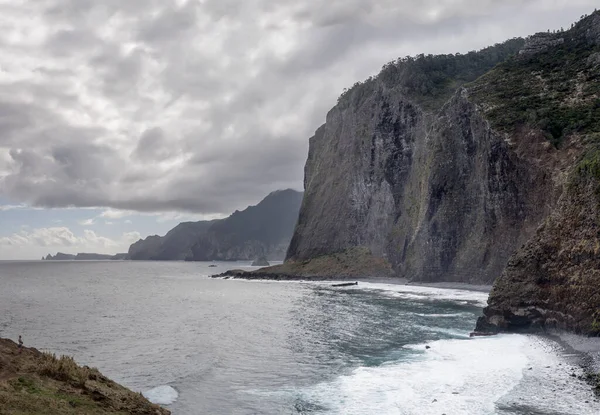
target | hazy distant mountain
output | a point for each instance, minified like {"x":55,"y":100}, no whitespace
{"x":261,"y":230}
{"x":83,"y":257}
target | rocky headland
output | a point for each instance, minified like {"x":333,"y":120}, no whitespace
{"x":37,"y":383}
{"x":60,"y":256}
{"x":479,"y":168}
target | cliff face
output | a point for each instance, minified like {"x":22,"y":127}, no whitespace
{"x":446,"y":165}
{"x":175,"y":245}
{"x":263,"y":230}
{"x":440,"y":195}
{"x":554,"y":280}
{"x":436,"y":191}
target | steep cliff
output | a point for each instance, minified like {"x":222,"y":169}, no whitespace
{"x":175,"y":245}
{"x":445,"y":165}
{"x":554,"y":280}
{"x":261,"y":230}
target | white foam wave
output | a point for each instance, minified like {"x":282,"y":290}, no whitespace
{"x":444,"y":330}
{"x":415,"y":292}
{"x":453,"y":377}
{"x":441,"y":315}
{"x":162,"y":395}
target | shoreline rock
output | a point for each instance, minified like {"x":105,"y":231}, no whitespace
{"x":351,"y":264}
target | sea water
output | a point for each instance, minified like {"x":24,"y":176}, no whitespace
{"x":199,"y":345}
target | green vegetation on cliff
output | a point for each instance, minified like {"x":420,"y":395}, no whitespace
{"x":589,"y":166}
{"x":431,"y":80}
{"x":553,"y":85}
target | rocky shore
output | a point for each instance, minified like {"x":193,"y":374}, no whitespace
{"x":34,"y":382}
{"x":350,"y":264}
{"x":587,"y":354}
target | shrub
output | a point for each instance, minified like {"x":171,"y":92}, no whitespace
{"x":63,"y":369}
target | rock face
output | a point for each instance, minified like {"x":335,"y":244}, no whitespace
{"x":444,"y":166}
{"x":261,"y":230}
{"x":437,"y":192}
{"x":174,"y":246}
{"x":554,"y":280}
{"x":540,"y":42}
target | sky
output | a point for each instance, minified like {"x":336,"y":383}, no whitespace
{"x":120,"y":119}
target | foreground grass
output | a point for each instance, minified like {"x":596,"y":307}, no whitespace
{"x":32,"y":382}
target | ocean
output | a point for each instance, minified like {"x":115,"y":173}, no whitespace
{"x":199,"y":345}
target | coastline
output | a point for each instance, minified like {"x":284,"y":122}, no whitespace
{"x":585,"y":352}
{"x":579,"y":351}
{"x":257,"y":275}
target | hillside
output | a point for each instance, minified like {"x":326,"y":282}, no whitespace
{"x":35,"y":383}
{"x":261,"y":230}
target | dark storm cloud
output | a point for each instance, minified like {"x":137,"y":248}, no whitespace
{"x":153,"y":145}
{"x":204,"y":106}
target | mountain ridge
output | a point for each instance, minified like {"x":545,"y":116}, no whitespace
{"x":257,"y":231}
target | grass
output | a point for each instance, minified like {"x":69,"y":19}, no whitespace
{"x":31,"y":394}
{"x":35,"y":383}
{"x":589,"y":166}
{"x":65,"y":369}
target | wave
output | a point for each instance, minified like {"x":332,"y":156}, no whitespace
{"x":419,"y":293}
{"x":474,"y":377}
{"x":162,"y":395}
{"x":441,"y":315}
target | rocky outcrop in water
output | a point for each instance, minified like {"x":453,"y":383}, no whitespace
{"x":263,"y":230}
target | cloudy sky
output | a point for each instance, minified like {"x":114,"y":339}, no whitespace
{"x":121,"y":118}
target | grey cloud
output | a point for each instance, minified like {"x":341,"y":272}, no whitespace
{"x":237,"y":87}
{"x":69,"y":41}
{"x":12,"y":119}
{"x":153,"y":146}
{"x":171,"y":23}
